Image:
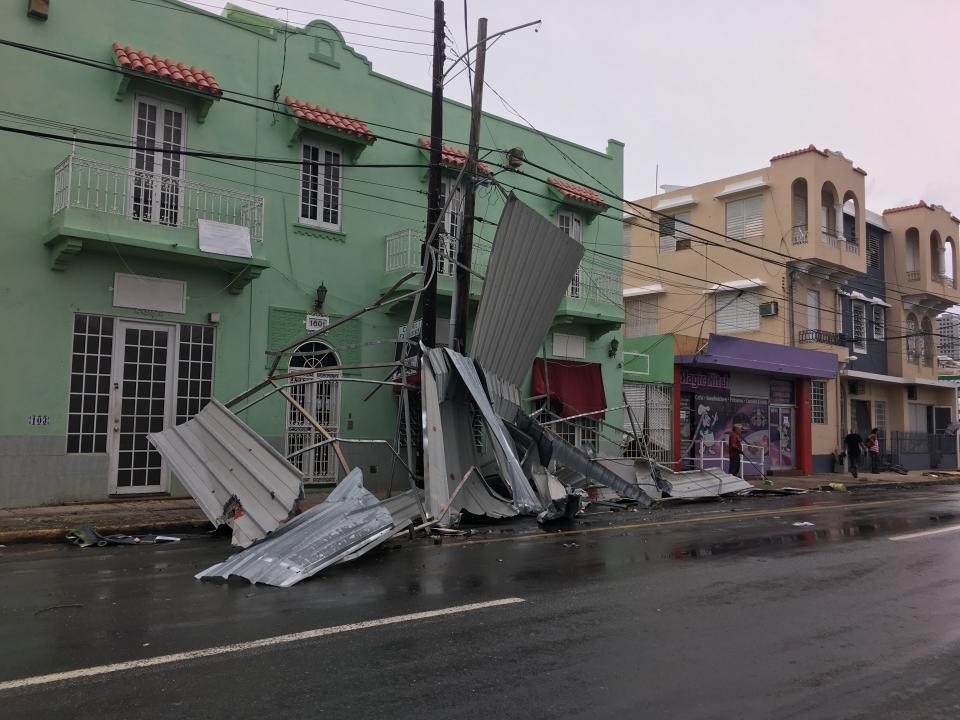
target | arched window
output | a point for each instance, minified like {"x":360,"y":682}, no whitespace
{"x":828,"y":214}
{"x":851,"y":217}
{"x":798,"y":209}
{"x":913,"y":254}
{"x":926,"y":327}
{"x":913,"y":340}
{"x":950,"y":261}
{"x":319,"y":394}
{"x":936,"y":257}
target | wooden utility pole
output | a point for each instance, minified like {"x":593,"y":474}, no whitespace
{"x":428,"y":333}
{"x":461,"y":294}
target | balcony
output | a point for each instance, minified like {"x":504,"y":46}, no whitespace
{"x":800,"y":235}
{"x":101,"y":206}
{"x":913,"y":276}
{"x":821,"y":337}
{"x":829,"y":236}
{"x":402,"y":255}
{"x":594,"y":297}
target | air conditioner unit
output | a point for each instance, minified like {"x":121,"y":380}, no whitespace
{"x":769,"y":309}
{"x":857,"y":387}
{"x":911,"y":392}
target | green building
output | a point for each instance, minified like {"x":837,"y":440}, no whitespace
{"x":137,"y":284}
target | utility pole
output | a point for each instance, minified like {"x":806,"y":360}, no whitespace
{"x":428,"y":333}
{"x":461,"y":295}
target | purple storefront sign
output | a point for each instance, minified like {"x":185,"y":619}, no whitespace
{"x":706,"y":382}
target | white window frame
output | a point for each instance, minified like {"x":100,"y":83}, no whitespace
{"x":879,"y":322}
{"x":737,"y":311}
{"x":322,"y":168}
{"x":813,"y":310}
{"x":818,"y":402}
{"x":859,"y":334}
{"x":157,"y":175}
{"x":572,"y":224}
{"x":744,"y":217}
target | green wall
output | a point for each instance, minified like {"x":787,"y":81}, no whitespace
{"x":55,"y":96}
{"x":653,"y":359}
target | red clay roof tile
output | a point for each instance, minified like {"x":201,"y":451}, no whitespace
{"x":332,"y":119}
{"x":904,"y":208}
{"x":166,"y":69}
{"x":455,"y":156}
{"x":575,"y":192}
{"x":801,"y":151}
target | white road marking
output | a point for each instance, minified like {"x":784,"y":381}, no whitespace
{"x":925,"y":533}
{"x":250,"y":645}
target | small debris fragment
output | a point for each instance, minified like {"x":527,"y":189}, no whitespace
{"x":803,"y":523}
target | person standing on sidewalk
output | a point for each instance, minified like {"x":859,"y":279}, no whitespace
{"x":873,"y":448}
{"x":736,"y":448}
{"x":854,"y":445}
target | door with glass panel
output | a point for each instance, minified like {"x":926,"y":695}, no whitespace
{"x":156,"y":172}
{"x":142,"y":388}
{"x":318,"y":391}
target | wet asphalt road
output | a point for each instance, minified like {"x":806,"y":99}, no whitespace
{"x":720,"y":610}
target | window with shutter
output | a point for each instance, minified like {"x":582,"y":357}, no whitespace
{"x":858,"y":312}
{"x":674,"y":232}
{"x":745,"y":217}
{"x":643,"y":316}
{"x":873,"y":250}
{"x":879,"y":322}
{"x":737,"y":311}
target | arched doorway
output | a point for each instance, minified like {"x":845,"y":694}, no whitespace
{"x":321,"y":398}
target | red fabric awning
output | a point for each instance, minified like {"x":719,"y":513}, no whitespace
{"x":575,"y":387}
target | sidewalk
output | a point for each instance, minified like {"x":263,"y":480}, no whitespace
{"x":49,"y":524}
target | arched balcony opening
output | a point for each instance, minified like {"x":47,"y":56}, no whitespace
{"x":851,"y":221}
{"x":913,"y":254}
{"x":830,"y":228}
{"x":799,"y":206}
{"x":950,"y":261}
{"x":936,"y":257}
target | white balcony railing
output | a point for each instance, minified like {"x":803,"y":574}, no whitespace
{"x":913,"y":275}
{"x":150,"y":197}
{"x":800,"y":236}
{"x":851,"y":247}
{"x":828,"y":236}
{"x":403,"y":250}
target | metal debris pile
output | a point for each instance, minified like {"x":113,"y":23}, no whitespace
{"x":483,"y":455}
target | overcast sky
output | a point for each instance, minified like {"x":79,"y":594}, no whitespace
{"x":706,"y":89}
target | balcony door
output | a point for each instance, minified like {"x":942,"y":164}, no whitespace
{"x":156,"y":167}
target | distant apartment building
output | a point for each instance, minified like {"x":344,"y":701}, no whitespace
{"x":752,"y":272}
{"x":948,"y":328}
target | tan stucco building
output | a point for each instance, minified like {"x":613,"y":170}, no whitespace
{"x":788,"y":255}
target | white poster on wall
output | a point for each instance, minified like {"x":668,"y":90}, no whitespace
{"x":224,"y":238}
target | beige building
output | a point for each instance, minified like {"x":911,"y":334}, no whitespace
{"x":788,"y":255}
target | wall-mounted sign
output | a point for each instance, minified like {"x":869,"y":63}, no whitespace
{"x":713,"y":382}
{"x":402,"y":330}
{"x":316,"y":322}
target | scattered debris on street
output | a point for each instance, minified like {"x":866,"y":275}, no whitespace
{"x":86,"y":536}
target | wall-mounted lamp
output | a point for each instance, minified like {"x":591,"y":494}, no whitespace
{"x":515,"y":157}
{"x":321,"y":296}
{"x":614,"y":346}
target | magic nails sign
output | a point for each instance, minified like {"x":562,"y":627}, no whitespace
{"x":712,"y":382}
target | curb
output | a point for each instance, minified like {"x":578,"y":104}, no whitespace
{"x":11,"y":537}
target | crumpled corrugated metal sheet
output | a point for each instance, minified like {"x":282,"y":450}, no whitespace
{"x":349,"y":523}
{"x":531,"y":266}
{"x":552,"y":447}
{"x":701,"y":483}
{"x":235,"y":476}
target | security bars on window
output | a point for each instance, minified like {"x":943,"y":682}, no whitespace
{"x":90,"y":384}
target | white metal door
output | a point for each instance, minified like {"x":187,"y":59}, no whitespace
{"x":321,"y":398}
{"x":652,"y":409}
{"x":141,"y":392}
